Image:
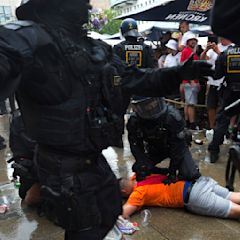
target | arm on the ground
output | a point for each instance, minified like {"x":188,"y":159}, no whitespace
{"x":128,"y":210}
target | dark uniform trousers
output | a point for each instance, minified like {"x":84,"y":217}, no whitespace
{"x":223,"y":120}
{"x":85,"y":194}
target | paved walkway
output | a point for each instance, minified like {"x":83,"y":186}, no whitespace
{"x":22,"y":223}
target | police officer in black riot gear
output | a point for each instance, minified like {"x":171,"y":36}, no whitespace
{"x":228,"y":65}
{"x":61,"y":78}
{"x":133,"y":51}
{"x":156,"y":132}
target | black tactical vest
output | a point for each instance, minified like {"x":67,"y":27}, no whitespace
{"x":63,"y":93}
{"x":133,"y":53}
{"x":232,"y":63}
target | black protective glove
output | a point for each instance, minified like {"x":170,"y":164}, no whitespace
{"x":142,"y":169}
{"x":191,"y":70}
{"x":171,"y":177}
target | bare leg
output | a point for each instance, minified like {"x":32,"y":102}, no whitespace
{"x":235,"y":197}
{"x":233,"y":121}
{"x":191,"y":114}
{"x":235,"y":211}
{"x":212,"y":117}
{"x":186,"y":113}
{"x":33,"y":196}
{"x":181,"y":90}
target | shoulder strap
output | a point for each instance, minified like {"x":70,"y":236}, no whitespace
{"x":18,"y":24}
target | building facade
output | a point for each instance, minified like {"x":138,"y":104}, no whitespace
{"x":100,"y":4}
{"x":7,"y":10}
{"x":127,"y":7}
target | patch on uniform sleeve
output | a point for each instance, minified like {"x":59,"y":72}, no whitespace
{"x":117,"y":81}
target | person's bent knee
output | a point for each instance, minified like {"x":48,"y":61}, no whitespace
{"x":33,"y":196}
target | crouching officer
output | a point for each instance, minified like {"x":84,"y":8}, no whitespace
{"x":156,"y":132}
{"x":228,"y":65}
{"x":61,"y":79}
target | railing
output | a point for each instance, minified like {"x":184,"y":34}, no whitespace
{"x":114,"y":3}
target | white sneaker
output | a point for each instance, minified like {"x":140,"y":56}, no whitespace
{"x":209,"y":135}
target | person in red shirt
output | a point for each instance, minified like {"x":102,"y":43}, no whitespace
{"x":190,"y":88}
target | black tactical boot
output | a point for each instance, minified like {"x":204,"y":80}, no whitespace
{"x":2,"y":144}
{"x":214,"y":155}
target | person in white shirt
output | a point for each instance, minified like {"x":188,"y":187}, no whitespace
{"x":184,"y":34}
{"x":182,"y":42}
{"x":173,"y":57}
{"x":210,"y":54}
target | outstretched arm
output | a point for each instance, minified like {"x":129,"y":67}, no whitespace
{"x":135,"y":139}
{"x":162,"y":82}
{"x":143,"y":166}
{"x":128,"y":210}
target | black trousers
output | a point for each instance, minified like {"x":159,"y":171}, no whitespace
{"x":3,"y":108}
{"x":94,"y":193}
{"x":177,"y":149}
{"x":223,"y":120}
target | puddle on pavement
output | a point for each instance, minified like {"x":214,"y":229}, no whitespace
{"x":22,"y":223}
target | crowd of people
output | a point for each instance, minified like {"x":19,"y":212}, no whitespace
{"x":175,"y":49}
{"x":73,"y":92}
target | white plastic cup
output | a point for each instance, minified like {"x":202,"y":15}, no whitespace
{"x":209,"y":135}
{"x":146,"y":217}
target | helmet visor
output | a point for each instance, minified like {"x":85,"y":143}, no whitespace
{"x":132,"y":33}
{"x":150,"y":108}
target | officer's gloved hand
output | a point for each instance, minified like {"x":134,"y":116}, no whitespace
{"x":171,"y":178}
{"x":191,"y":69}
{"x":142,"y":169}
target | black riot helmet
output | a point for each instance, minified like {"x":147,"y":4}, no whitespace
{"x":27,"y":9}
{"x":129,"y":28}
{"x":71,"y":10}
{"x":149,"y":107}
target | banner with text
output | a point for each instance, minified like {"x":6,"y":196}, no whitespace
{"x":194,"y":11}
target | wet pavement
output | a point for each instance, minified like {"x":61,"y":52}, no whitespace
{"x":23,"y":223}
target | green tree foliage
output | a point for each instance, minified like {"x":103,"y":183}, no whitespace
{"x":112,"y":25}
{"x":104,"y":22}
